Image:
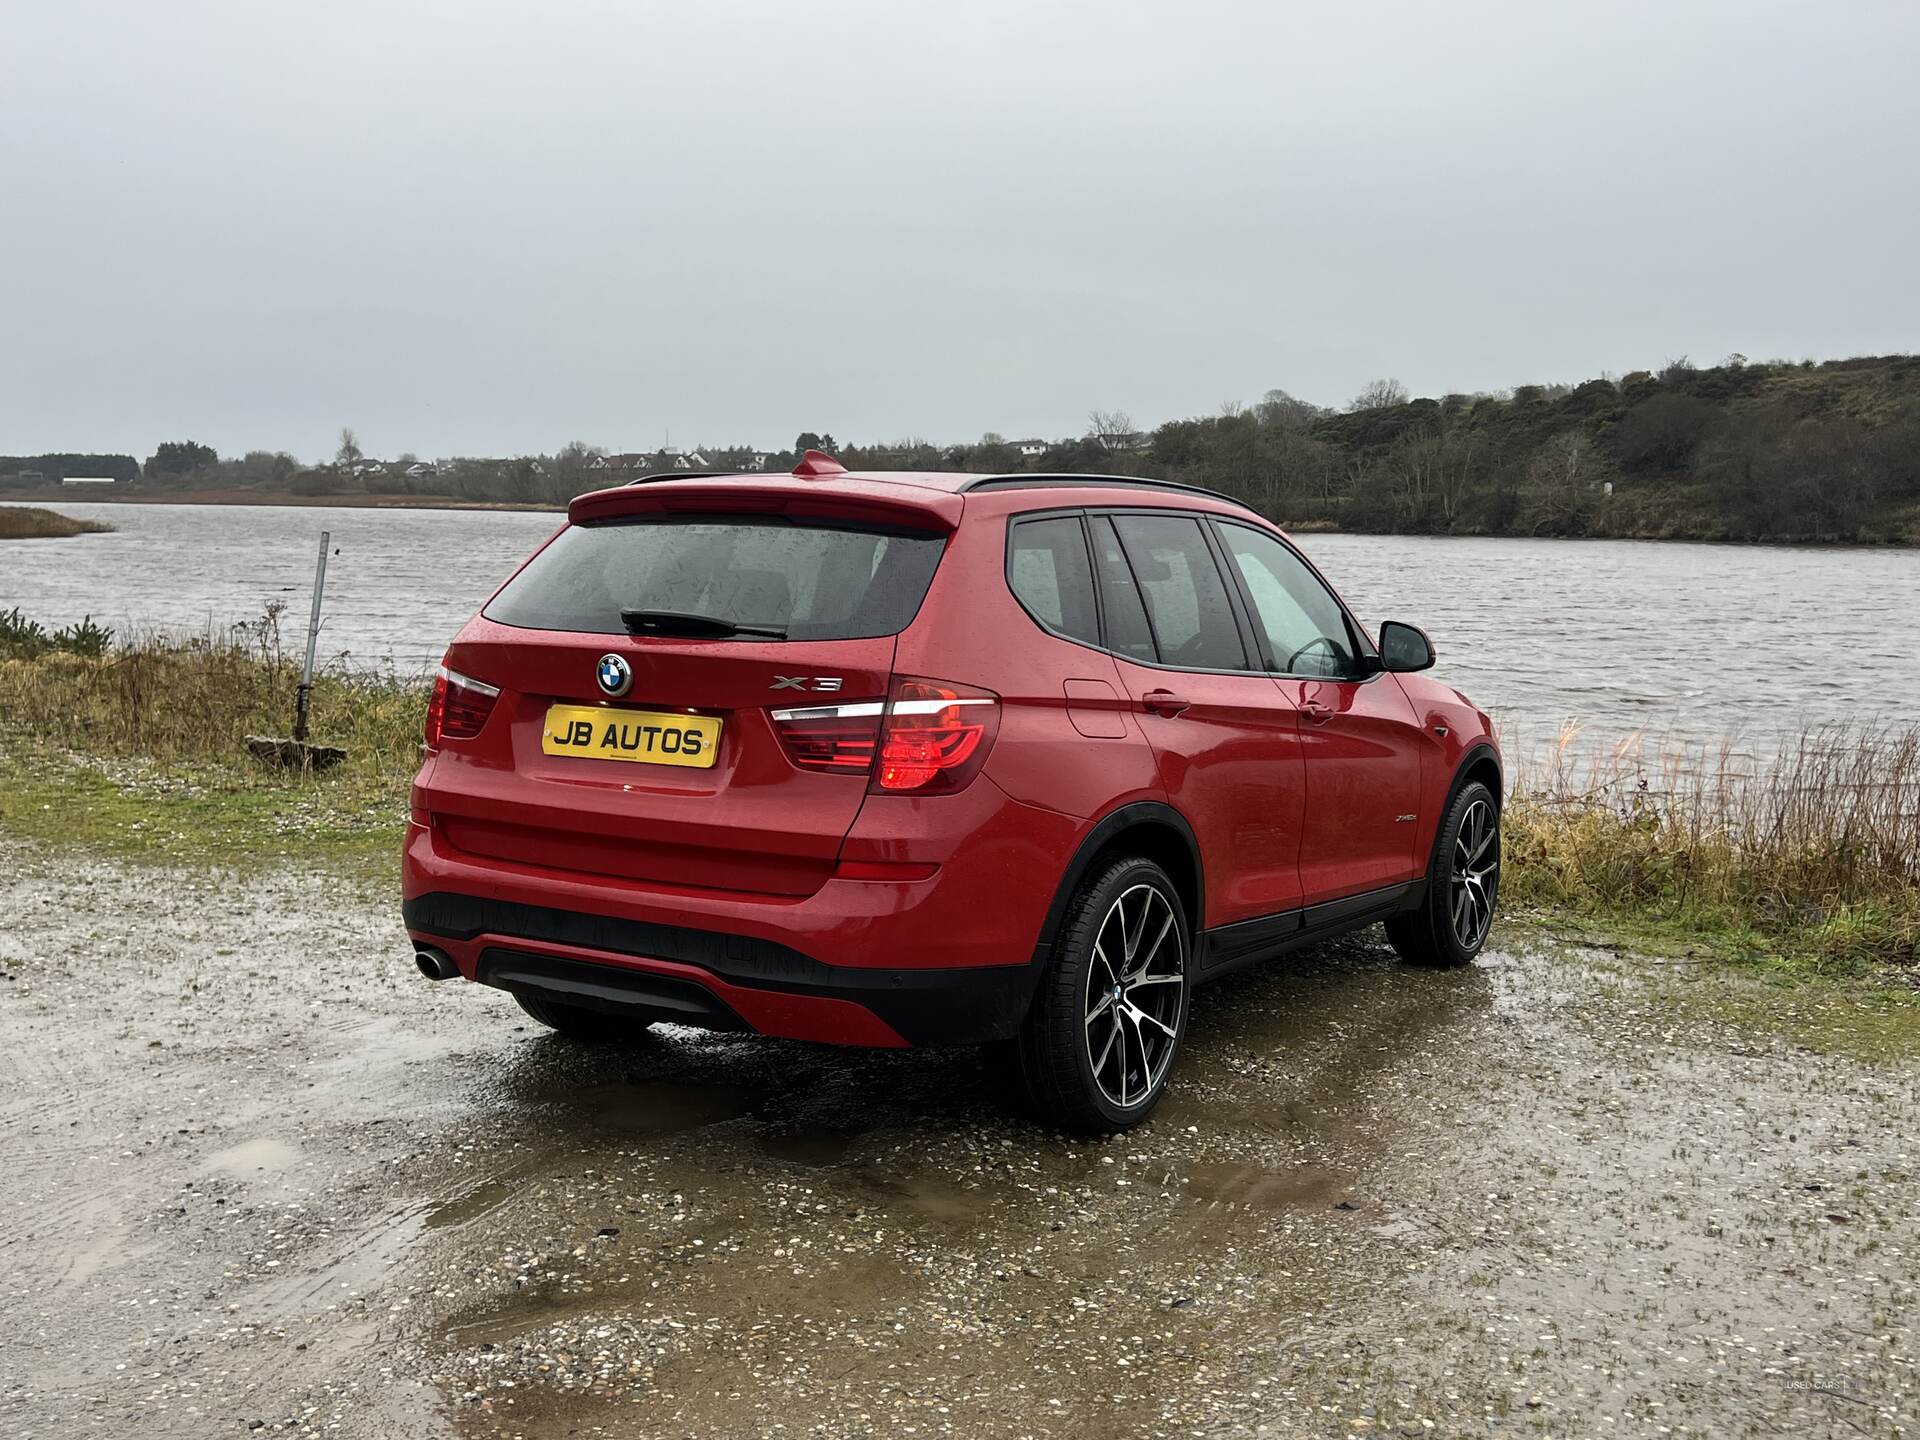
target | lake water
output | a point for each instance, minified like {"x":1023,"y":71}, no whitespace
{"x":1674,"y":642}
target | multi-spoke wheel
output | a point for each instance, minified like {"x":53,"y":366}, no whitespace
{"x":1107,"y":1022}
{"x":1463,"y":884}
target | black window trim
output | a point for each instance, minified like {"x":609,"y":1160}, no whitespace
{"x":1364,"y":647}
{"x":1250,"y":648}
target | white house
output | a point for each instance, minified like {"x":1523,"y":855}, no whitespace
{"x":1028,"y":449}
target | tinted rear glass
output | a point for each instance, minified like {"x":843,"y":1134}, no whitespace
{"x":815,"y":582}
{"x":1047,"y":568}
{"x":1186,"y":598}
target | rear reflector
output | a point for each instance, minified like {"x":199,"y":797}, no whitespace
{"x":459,"y":707}
{"x":884,"y":870}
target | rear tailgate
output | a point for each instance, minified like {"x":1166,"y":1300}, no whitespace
{"x":753,"y":821}
{"x":839,"y":573}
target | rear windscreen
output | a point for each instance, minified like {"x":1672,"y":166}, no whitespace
{"x":814,"y":581}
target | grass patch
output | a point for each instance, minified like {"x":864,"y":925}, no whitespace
{"x":30,"y":522}
{"x":203,"y":814}
{"x":139,"y":750}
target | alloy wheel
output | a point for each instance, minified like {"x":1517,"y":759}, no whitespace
{"x":1135,"y":990}
{"x":1476,"y":874}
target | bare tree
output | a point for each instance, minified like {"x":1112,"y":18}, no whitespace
{"x":1379,"y":395}
{"x":349,"y":451}
{"x":1108,"y":426}
{"x":1287,"y":412}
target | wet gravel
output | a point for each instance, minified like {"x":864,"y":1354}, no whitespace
{"x":260,"y":1178}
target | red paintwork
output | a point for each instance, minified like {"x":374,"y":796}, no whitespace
{"x":1296,"y":790}
{"x":770,"y":1012}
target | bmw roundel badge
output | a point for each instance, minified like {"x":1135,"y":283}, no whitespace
{"x":615,"y":675}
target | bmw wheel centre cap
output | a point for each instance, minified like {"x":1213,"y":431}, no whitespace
{"x":614,"y":674}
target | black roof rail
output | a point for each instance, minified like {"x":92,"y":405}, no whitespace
{"x":683,"y":475}
{"x":1044,"y":482}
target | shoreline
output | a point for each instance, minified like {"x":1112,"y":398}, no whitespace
{"x":284,"y":499}
{"x":271,"y":499}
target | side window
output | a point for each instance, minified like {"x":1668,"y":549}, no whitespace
{"x":1186,"y":596}
{"x":1305,"y":629}
{"x":1047,"y":568}
{"x":1127,"y":629}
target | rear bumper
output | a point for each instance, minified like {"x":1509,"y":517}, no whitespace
{"x":715,"y":980}
{"x":951,"y":959}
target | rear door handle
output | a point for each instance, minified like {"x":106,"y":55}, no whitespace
{"x":1318,"y":714}
{"x":1163,"y":702}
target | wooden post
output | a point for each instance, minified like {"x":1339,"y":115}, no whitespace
{"x":304,"y":696}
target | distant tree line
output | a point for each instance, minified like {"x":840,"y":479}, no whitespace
{"x":1778,"y":450}
{"x":29,"y":469}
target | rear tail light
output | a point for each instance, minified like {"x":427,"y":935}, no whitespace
{"x":935,"y":738}
{"x":839,"y":739}
{"x":929,"y":738}
{"x":459,"y":707}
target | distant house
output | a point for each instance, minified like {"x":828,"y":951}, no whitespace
{"x":422,"y":470}
{"x":1125,"y":441}
{"x":87,"y":480}
{"x":362,"y":468}
{"x":756,"y":460}
{"x":1029,"y":449}
{"x":637,"y":462}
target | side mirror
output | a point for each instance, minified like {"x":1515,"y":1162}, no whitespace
{"x":1404,"y":647}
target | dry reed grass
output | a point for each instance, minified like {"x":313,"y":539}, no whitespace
{"x":195,"y":700}
{"x":1816,"y":842}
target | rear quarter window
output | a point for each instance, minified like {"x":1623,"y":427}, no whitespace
{"x":1048,"y":571}
{"x":816,"y":582}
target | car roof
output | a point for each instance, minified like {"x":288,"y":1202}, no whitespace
{"x":817,"y":468}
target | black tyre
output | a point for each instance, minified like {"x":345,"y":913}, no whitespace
{"x":1463,"y":885}
{"x":577,"y":1022}
{"x":1109,"y":1017}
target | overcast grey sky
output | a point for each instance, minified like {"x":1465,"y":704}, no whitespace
{"x":487,"y":228}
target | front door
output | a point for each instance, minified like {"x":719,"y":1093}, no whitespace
{"x":1360,"y":737}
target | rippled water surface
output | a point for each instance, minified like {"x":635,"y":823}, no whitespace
{"x":1679,"y":641}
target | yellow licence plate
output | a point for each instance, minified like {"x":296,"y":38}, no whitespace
{"x":596,"y":732}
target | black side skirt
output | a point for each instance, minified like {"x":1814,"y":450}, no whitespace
{"x":1226,"y":948}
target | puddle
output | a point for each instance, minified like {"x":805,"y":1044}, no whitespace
{"x":661,"y":1107}
{"x":1260,"y":1188}
{"x":820,"y":1149}
{"x":252,"y":1156}
{"x":470,"y":1206}
{"x":930,"y":1196}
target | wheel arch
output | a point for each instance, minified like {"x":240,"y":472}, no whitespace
{"x":1148,"y":828}
{"x":1482,"y":763}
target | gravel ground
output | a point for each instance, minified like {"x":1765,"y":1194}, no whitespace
{"x":261,"y":1178}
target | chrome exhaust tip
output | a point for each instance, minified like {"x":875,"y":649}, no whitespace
{"x":434,"y":964}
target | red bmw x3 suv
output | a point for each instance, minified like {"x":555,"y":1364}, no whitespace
{"x":902,"y":759}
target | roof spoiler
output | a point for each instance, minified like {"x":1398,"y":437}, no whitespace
{"x":857,"y":501}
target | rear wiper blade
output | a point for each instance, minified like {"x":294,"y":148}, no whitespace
{"x":700,"y":627}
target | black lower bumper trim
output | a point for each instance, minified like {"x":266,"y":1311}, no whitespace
{"x":606,"y":989}
{"x":924,"y":1007}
